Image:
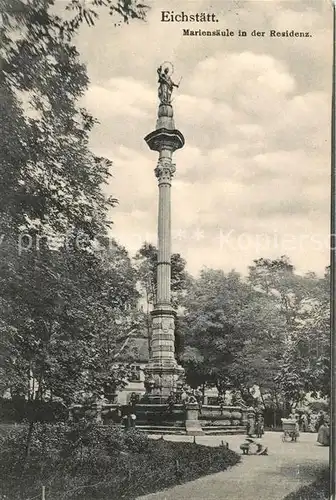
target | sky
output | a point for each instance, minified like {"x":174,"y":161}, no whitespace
{"x":253,"y":178}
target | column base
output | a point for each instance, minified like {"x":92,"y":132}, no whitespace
{"x":162,"y":371}
{"x":162,"y":377}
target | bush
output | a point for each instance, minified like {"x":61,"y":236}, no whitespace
{"x":19,"y":410}
{"x":136,"y":441}
{"x":89,"y":461}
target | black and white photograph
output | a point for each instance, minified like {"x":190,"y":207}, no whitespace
{"x":167,"y":260}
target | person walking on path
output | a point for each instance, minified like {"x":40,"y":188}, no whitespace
{"x":320,"y":420}
{"x":323,"y":435}
{"x":260,"y":426}
{"x":250,"y":431}
{"x":304,"y":423}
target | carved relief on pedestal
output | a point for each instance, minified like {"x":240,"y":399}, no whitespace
{"x":157,"y":322}
{"x":163,"y":323}
{"x":162,"y":345}
{"x":165,"y":170}
{"x":167,"y":324}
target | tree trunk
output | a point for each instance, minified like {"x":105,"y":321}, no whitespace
{"x":262,"y":398}
{"x":28,"y":445}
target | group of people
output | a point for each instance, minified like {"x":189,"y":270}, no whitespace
{"x":255,"y":427}
{"x":309,"y":421}
{"x":185,"y":395}
{"x":314,"y":422}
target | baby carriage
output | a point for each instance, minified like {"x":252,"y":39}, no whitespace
{"x":290,"y":429}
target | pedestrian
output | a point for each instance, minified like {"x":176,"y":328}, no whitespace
{"x":296,"y":432}
{"x":300,"y":421}
{"x":304,"y":422}
{"x":320,"y":420}
{"x":260,"y":426}
{"x":125,"y":421}
{"x":171,"y":402}
{"x":132,"y":419}
{"x":323,"y":435}
{"x":250,"y":431}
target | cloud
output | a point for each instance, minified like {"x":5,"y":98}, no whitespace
{"x":255,"y":113}
{"x":120,"y":97}
{"x":245,"y":72}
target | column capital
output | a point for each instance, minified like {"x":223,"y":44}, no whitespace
{"x":165,"y":170}
{"x":164,"y":138}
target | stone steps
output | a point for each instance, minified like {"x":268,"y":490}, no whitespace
{"x":209,"y":430}
{"x":151,"y":429}
{"x":221,"y":429}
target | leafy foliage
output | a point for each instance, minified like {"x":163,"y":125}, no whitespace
{"x":123,"y":9}
{"x":66,"y":321}
{"x":89,"y":461}
{"x":64,"y":287}
{"x":146,"y":261}
{"x":267,"y":336}
{"x":228,"y":323}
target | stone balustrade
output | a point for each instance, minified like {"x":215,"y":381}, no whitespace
{"x":194,"y":418}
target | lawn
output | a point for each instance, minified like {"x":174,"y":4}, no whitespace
{"x":98,"y":462}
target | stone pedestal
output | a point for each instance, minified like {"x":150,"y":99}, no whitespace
{"x":192,"y":424}
{"x":162,"y":371}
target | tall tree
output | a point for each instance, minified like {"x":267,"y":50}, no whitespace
{"x":51,"y":177}
{"x":146,"y":262}
{"x":303,"y":302}
{"x":267,"y":335}
{"x":228,"y":326}
{"x":277,"y":278}
{"x":58,"y":293}
{"x":66,"y":319}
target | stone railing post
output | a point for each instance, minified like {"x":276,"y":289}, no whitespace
{"x":192,"y":424}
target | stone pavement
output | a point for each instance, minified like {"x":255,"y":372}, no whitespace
{"x":287,"y":467}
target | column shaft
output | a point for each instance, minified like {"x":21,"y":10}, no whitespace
{"x":164,"y":172}
{"x":164,"y":248}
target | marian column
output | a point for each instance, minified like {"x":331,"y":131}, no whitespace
{"x":162,"y":370}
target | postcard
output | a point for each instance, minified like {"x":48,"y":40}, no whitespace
{"x":165,"y":249}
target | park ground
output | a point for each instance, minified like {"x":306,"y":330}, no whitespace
{"x":287,"y":468}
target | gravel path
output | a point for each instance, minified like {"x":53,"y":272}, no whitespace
{"x":287,"y":467}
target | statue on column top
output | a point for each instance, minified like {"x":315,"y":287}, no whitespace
{"x":166,"y":84}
